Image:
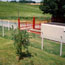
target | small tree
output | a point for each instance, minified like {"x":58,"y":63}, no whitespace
{"x":54,"y":7}
{"x":21,"y":39}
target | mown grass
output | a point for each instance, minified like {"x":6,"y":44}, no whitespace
{"x":26,"y":11}
{"x":38,"y":56}
{"x":49,"y":46}
{"x":48,"y":56}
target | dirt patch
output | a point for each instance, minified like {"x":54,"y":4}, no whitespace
{"x":34,"y":3}
{"x":29,"y":21}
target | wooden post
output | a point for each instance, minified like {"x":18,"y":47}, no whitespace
{"x":42,"y":44}
{"x":39,"y":25}
{"x":26,"y":24}
{"x":33,"y":22}
{"x":61,"y":47}
{"x":2,"y":29}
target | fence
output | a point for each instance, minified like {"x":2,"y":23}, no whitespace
{"x":31,"y":27}
{"x":6,"y":26}
{"x":26,"y":25}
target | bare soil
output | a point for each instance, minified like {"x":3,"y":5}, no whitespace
{"x":30,"y":21}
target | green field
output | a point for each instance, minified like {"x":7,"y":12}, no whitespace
{"x":48,"y":56}
{"x":26,"y":11}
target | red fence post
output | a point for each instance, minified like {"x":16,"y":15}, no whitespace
{"x":33,"y":22}
{"x":39,"y":25}
{"x":19,"y":23}
{"x":26,"y":24}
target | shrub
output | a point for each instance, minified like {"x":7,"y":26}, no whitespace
{"x":21,"y":40}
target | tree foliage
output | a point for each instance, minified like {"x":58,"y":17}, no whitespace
{"x":26,"y":1}
{"x":54,"y":7}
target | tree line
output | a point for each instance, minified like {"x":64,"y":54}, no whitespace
{"x":22,"y":1}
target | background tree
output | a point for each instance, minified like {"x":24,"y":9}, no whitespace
{"x":54,"y":7}
{"x":26,"y":1}
{"x":13,"y":0}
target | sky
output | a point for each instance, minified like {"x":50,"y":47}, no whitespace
{"x":36,"y":0}
{"x":32,"y":0}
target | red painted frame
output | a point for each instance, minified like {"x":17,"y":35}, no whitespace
{"x":18,"y":23}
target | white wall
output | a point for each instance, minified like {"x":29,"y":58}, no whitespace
{"x":53,"y":32}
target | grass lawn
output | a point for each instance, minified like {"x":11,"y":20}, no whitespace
{"x":26,"y":11}
{"x":48,"y":56}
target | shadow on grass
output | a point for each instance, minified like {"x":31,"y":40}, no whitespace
{"x":63,"y":56}
{"x":24,"y":55}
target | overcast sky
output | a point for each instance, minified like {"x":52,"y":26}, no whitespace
{"x":37,"y":0}
{"x":32,"y":0}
